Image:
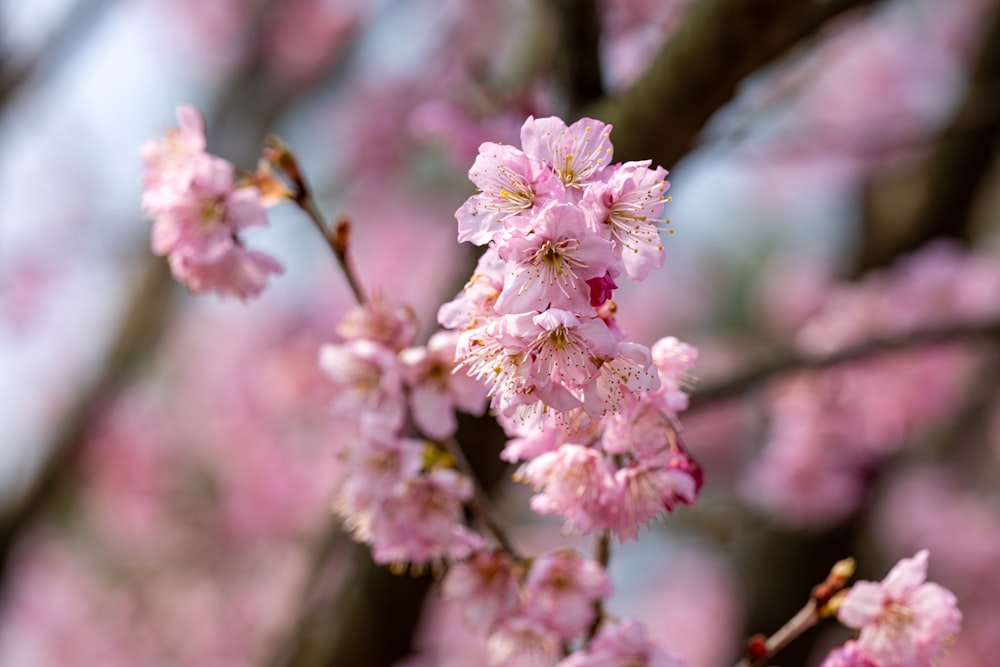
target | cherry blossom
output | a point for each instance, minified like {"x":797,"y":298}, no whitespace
{"x":905,"y":621}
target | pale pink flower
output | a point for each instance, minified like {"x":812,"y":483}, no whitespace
{"x":574,"y":482}
{"x":485,"y":586}
{"x":436,"y":390}
{"x":647,"y":489}
{"x":532,"y":439}
{"x":368,"y":379}
{"x":905,"y":621}
{"x":493,"y":356}
{"x":475,"y":304}
{"x":623,"y":644}
{"x":567,"y":348}
{"x":371,"y":471}
{"x":390,"y":323}
{"x":520,"y":641}
{"x":621,"y":379}
{"x":201,"y":216}
{"x":170,"y":160}
{"x":510,"y":184}
{"x":422,"y":520}
{"x":673,"y":359}
{"x":235,"y":271}
{"x":549,"y":266}
{"x":626,"y":209}
{"x":577,"y":154}
{"x":561,"y":589}
{"x":849,"y":655}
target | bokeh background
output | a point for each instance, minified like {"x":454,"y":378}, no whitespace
{"x":833,"y":252}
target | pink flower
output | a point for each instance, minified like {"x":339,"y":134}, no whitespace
{"x":650,"y":488}
{"x":574,"y":482}
{"x":849,"y":655}
{"x":577,"y":153}
{"x":561,"y":589}
{"x":387,"y":322}
{"x":421,"y":521}
{"x":171,"y":158}
{"x":368,"y":379}
{"x":905,"y":621}
{"x":566,"y":348}
{"x":235,"y":271}
{"x":626,"y":209}
{"x":623,"y":644}
{"x":550,"y":266}
{"x":511,"y":184}
{"x":436,"y":391}
{"x":485,"y":586}
{"x":524,"y":642}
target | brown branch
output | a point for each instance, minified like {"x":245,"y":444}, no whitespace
{"x":753,"y":378}
{"x":906,"y":208}
{"x":577,"y":59}
{"x":719,"y":44}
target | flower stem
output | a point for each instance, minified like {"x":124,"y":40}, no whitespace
{"x":480,"y":501}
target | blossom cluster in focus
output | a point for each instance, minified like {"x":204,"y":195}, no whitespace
{"x":592,"y":414}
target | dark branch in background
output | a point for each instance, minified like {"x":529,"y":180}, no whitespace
{"x":906,"y":209}
{"x":18,"y":71}
{"x":720,"y":43}
{"x":736,"y":386}
{"x":577,"y":60}
{"x":145,"y":318}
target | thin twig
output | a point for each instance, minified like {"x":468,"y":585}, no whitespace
{"x":914,"y":339}
{"x":806,"y":618}
{"x":480,"y":502}
{"x":602,"y":554}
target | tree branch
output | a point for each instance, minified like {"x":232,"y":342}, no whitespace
{"x":740,"y":384}
{"x":720,"y":42}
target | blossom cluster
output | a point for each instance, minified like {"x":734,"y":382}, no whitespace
{"x":199,"y":207}
{"x":531,"y":610}
{"x":396,"y":488}
{"x":903,"y":621}
{"x":593,"y":415}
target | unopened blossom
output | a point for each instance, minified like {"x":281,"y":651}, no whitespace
{"x":577,"y":153}
{"x":623,"y":644}
{"x":550,"y":266}
{"x":673,"y":359}
{"x":561,"y":589}
{"x":905,"y":621}
{"x":485,"y":586}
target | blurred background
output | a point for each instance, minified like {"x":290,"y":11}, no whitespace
{"x":833,"y":252}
